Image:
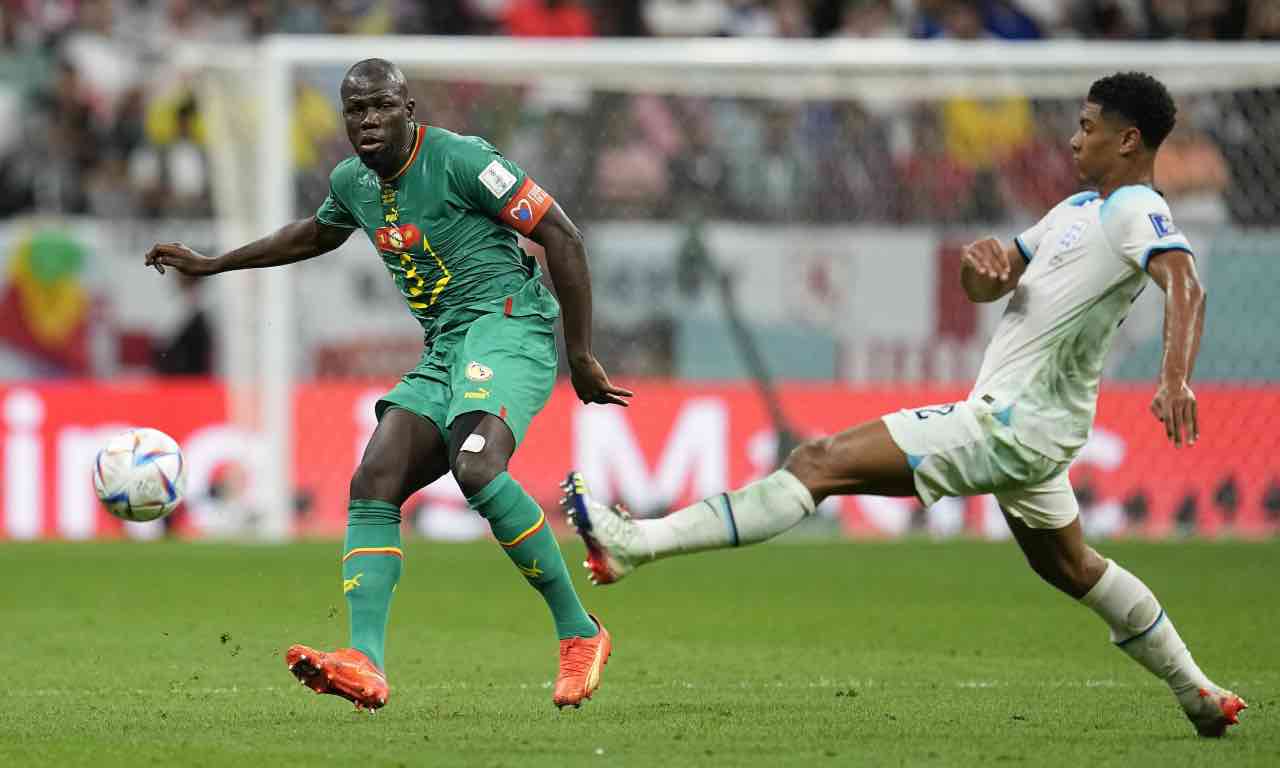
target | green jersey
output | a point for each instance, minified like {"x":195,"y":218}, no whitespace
{"x":445,"y":226}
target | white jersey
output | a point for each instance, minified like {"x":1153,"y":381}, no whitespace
{"x":1086,"y":264}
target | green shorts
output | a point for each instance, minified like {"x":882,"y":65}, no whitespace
{"x":499,"y":364}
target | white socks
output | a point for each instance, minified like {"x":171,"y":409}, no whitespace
{"x":756,"y":512}
{"x":1142,"y":629}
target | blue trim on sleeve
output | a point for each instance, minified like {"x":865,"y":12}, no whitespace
{"x":914,"y":460}
{"x":1022,"y":248}
{"x":1161,"y":248}
{"x":1080,"y":198}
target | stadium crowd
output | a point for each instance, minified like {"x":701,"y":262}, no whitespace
{"x":96,"y":121}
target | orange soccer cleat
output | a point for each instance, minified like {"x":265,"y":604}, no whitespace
{"x":1216,"y":708}
{"x":582,"y":659}
{"x":346,"y":672}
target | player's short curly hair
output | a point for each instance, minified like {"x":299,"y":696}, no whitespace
{"x":1139,"y":98}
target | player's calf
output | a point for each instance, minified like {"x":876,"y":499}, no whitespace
{"x":617,"y":544}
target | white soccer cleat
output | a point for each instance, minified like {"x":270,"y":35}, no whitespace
{"x":611,"y":536}
{"x":1211,"y":710}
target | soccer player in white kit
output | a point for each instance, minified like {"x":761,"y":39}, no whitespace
{"x":1073,"y":277}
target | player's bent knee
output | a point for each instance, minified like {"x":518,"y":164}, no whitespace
{"x":474,"y":471}
{"x":373,"y":482}
{"x":808,"y":460}
{"x":1074,"y":576}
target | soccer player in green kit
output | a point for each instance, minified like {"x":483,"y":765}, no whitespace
{"x":443,"y":211}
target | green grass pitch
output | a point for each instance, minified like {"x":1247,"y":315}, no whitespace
{"x":832,"y":653}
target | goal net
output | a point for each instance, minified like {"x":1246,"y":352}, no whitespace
{"x":792,"y":210}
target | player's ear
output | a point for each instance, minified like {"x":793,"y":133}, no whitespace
{"x":409,"y":104}
{"x":1130,"y":140}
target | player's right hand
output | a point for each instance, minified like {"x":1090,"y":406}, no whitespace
{"x":181,"y":258}
{"x":988,"y":258}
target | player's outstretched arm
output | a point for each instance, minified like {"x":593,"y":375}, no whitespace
{"x":1175,"y":404}
{"x":989,"y":270}
{"x":301,"y":240}
{"x":567,"y":262}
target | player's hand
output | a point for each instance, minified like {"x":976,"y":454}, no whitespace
{"x":181,"y":258}
{"x":988,"y":258}
{"x":592,"y":383}
{"x":1175,"y":406}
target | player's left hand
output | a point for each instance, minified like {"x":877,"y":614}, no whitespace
{"x":1175,"y":406}
{"x":592,"y":383}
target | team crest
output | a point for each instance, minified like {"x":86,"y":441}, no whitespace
{"x":478,"y":372}
{"x":397,"y":239}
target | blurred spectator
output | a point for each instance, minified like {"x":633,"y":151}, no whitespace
{"x":1192,"y":173}
{"x":1039,"y":173}
{"x":933,"y":185}
{"x":771,"y":181}
{"x":979,"y":132}
{"x":548,"y":18}
{"x":630,"y":178}
{"x":973,"y":19}
{"x":302,"y":17}
{"x":868,"y":19}
{"x":1107,"y":19}
{"x":103,"y":59}
{"x":699,"y":170}
{"x":1197,"y":19}
{"x":318,"y":142}
{"x":550,"y":148}
{"x":172,"y":177}
{"x":72,"y":141}
{"x":620,"y":18}
{"x":1263,"y":21}
{"x":188,"y":351}
{"x":856,"y":169}
{"x":678,"y":18}
{"x":779,"y":18}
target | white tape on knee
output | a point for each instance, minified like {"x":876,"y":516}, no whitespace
{"x":473,"y":444}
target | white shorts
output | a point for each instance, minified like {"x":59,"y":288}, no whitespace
{"x":964,"y":449}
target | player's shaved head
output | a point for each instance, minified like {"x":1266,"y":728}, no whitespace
{"x":372,"y":73}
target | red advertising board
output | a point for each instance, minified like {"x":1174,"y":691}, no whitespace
{"x":677,"y":442}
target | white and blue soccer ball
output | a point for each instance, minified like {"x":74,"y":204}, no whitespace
{"x":139,"y":475}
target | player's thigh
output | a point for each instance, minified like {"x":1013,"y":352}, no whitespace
{"x":505,"y":367}
{"x":405,"y":453}
{"x":861,"y":460}
{"x":945,"y":448}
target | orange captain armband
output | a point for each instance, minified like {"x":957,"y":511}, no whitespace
{"x":526,"y":207}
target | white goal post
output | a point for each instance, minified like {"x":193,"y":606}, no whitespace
{"x":253,"y":175}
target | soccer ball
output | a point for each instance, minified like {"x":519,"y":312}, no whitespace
{"x":139,"y":475}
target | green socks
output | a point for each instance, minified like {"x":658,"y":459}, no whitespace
{"x":521,"y":528}
{"x":371,"y":564}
